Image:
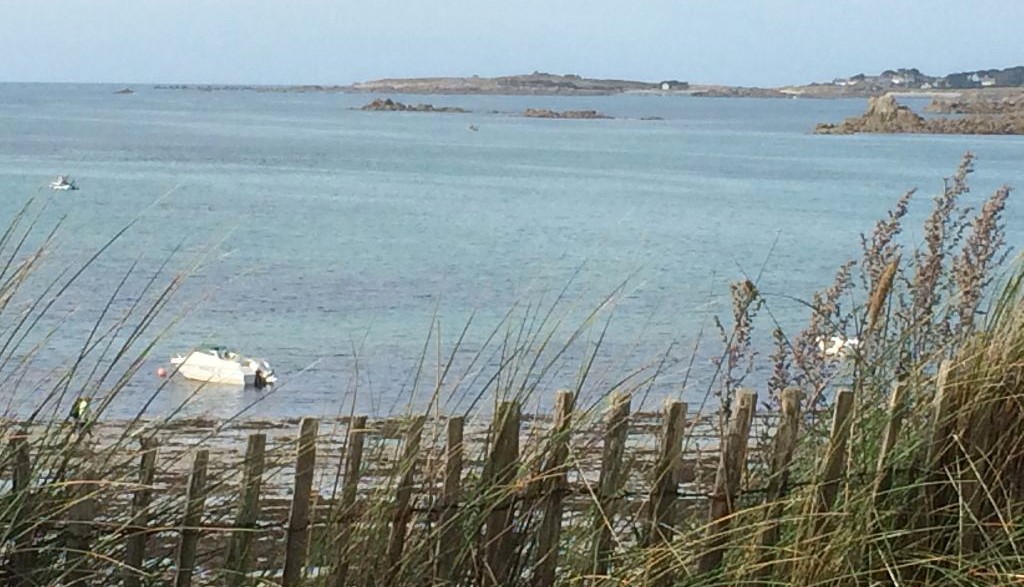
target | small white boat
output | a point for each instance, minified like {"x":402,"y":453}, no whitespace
{"x":217,"y":364}
{"x":838,"y":347}
{"x":63,"y":183}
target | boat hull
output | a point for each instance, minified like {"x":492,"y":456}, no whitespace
{"x":207,"y":374}
{"x":210,"y":368}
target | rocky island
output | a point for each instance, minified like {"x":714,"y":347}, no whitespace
{"x":573,"y":114}
{"x":885,"y":115}
{"x":389,"y":105}
{"x":536,"y":83}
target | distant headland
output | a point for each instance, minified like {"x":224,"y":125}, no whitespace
{"x":538,"y":83}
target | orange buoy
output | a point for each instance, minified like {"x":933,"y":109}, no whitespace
{"x":161,"y":372}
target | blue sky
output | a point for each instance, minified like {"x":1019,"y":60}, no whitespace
{"x":335,"y":42}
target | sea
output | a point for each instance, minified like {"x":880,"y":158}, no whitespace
{"x":393,"y":261}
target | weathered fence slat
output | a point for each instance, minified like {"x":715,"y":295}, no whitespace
{"x":554,"y":488}
{"x":664,"y":489}
{"x":835,"y":456}
{"x":81,"y":513}
{"x":731,"y":464}
{"x":782,"y":455}
{"x":21,"y":470}
{"x":883,"y":478}
{"x":135,"y":546}
{"x":235,"y":564}
{"x":665,"y":492}
{"x":449,"y":536}
{"x":349,"y":491}
{"x":23,"y":560}
{"x":884,"y":472}
{"x":297,"y":540}
{"x":938,"y":492}
{"x":195,"y":501}
{"x":403,"y":495}
{"x":499,"y":539}
{"x":610,"y":482}
{"x":975,"y":437}
{"x":942,"y":424}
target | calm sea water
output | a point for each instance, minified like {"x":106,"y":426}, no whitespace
{"x":330,"y":240}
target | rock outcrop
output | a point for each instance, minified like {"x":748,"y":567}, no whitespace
{"x":885,"y":115}
{"x":574,"y":114}
{"x":978,"y":103}
{"x":389,"y":105}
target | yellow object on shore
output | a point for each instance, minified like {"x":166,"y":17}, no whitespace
{"x":79,"y":409}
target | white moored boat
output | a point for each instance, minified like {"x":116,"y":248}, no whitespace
{"x":63,"y":183}
{"x":838,"y":347}
{"x":217,"y":364}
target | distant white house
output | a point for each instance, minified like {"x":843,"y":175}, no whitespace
{"x":987,"y":81}
{"x":673,"y":84}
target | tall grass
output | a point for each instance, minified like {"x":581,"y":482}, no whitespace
{"x":942,"y":506}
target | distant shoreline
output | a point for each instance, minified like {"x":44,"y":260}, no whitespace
{"x":904,"y":83}
{"x":693,"y":91}
{"x":697,"y":91}
{"x":900,"y":82}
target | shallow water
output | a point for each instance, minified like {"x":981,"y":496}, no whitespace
{"x":331,"y":238}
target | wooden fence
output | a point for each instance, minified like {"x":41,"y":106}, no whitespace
{"x":523,"y":499}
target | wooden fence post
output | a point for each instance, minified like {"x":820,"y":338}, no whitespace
{"x":23,"y":560}
{"x":81,"y":513}
{"x":138,"y":530}
{"x":731,"y":464}
{"x":21,"y":468}
{"x":236,"y":562}
{"x":403,"y":495}
{"x":782,"y":456}
{"x":883,"y":477}
{"x":349,"y":492}
{"x":555,"y":485}
{"x":664,"y":492}
{"x":937,"y":488}
{"x":500,"y":473}
{"x":665,"y":487}
{"x":194,"y":504}
{"x":835,"y":457}
{"x":610,"y":482}
{"x":298,"y":519}
{"x":449,"y":535}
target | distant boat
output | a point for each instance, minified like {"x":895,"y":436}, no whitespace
{"x":473,"y":128}
{"x":63,"y":183}
{"x":125,"y":91}
{"x":838,"y":347}
{"x":217,"y":364}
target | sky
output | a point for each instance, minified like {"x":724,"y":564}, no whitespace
{"x":735,"y":42}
